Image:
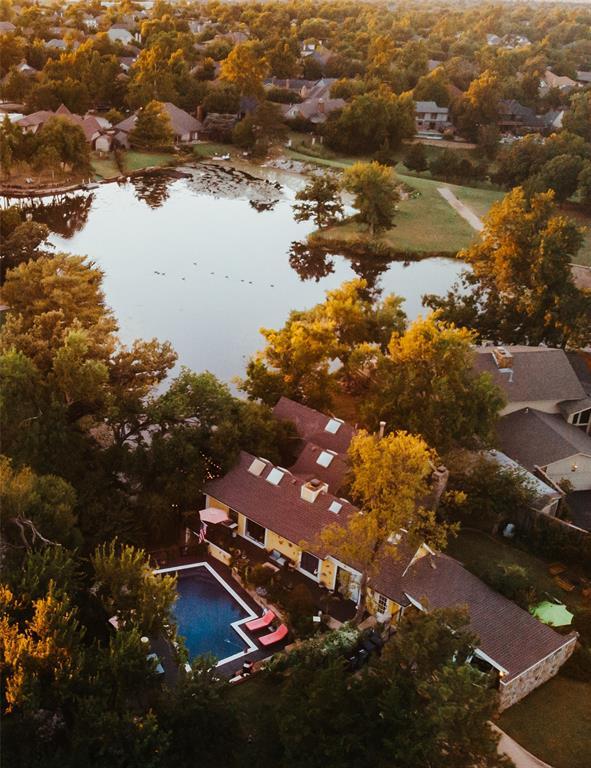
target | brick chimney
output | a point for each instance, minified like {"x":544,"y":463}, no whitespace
{"x":312,"y":489}
{"x":503,"y":358}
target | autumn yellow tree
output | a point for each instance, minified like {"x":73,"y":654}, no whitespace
{"x":245,"y":69}
{"x":392,"y":484}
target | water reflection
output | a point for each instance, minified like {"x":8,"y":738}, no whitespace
{"x":313,"y":261}
{"x":152,"y":188}
{"x":309,"y":261}
{"x":192,"y":261}
{"x":65,"y":216}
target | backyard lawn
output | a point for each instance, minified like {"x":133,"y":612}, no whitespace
{"x":135,"y":161}
{"x":427,"y":222}
{"x":584,"y":220}
{"x":479,"y":552}
{"x":104,"y":166}
{"x":554,"y":723}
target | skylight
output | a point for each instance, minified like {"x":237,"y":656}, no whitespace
{"x":275,"y":476}
{"x":325,"y":458}
{"x":257,"y":467}
{"x":335,"y":507}
{"x":333,"y":426}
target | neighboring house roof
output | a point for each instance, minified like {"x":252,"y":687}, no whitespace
{"x":35,"y":118}
{"x":507,"y":634}
{"x":56,"y":43}
{"x":557,"y":81}
{"x":315,"y":110}
{"x":538,"y":373}
{"x":581,"y":365}
{"x":311,"y":425}
{"x":433,"y":64}
{"x":513,"y":111}
{"x":430,"y":106}
{"x":544,"y":492}
{"x":6,"y":27}
{"x":536,"y":439}
{"x":181,"y":122}
{"x":277,"y":507}
{"x":583,"y":77}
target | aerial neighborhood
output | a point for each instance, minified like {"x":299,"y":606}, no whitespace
{"x":295,"y":384}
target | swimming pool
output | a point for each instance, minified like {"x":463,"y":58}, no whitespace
{"x":209,"y":614}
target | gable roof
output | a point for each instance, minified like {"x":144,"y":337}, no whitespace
{"x":277,"y":507}
{"x":539,"y":373}
{"x":430,"y":106}
{"x":534,"y":438}
{"x":182,"y":122}
{"x":507,"y":634}
{"x":310,"y":425}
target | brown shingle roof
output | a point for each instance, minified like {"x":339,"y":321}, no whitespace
{"x":539,"y":373}
{"x":508,"y":634}
{"x":277,"y":507}
{"x":534,"y":438}
{"x":308,"y":468}
{"x":310,"y":425}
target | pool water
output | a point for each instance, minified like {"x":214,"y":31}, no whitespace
{"x":209,"y":614}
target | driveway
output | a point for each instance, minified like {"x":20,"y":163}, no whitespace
{"x":461,"y":208}
{"x":520,"y":756}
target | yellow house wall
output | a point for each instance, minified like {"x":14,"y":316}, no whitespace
{"x":392,"y":608}
{"x":327,"y":573}
{"x":241,"y":524}
{"x":211,"y":502}
{"x":292,"y":551}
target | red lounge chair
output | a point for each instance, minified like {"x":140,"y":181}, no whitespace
{"x":274,"y":637}
{"x":267,"y":618}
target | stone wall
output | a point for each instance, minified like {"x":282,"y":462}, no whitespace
{"x":519,"y":687}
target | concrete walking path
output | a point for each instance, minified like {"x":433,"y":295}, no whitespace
{"x":465,"y":212}
{"x":520,"y":756}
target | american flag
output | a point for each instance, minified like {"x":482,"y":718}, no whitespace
{"x":202,"y":532}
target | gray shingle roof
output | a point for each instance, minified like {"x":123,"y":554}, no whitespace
{"x":507,"y":633}
{"x":534,"y":438}
{"x":539,"y":373}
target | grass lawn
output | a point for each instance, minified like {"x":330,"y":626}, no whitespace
{"x":427,"y":223}
{"x":478,"y":200}
{"x":135,"y":161}
{"x":211,"y":148}
{"x":479,"y":552}
{"x":554,"y":723}
{"x":104,"y":166}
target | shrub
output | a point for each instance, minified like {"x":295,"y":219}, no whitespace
{"x":513,"y":582}
{"x":301,"y":607}
{"x":260,"y":576}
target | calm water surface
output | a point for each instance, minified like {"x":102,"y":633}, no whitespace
{"x":204,"y":262}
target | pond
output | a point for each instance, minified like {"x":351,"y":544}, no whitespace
{"x":207,"y":259}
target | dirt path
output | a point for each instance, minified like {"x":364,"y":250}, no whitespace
{"x":520,"y":756}
{"x":463,"y":210}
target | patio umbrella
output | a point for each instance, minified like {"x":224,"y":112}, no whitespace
{"x":213,"y":515}
{"x":554,"y":614}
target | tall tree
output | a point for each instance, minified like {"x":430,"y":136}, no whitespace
{"x":152,"y":129}
{"x":245,"y":69}
{"x":390,"y":480}
{"x":520,"y":289}
{"x":426,"y":384}
{"x":375,"y":194}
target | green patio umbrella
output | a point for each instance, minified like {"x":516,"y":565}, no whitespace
{"x":554,"y":614}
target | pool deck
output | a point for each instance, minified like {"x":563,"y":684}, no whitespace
{"x":233,"y":667}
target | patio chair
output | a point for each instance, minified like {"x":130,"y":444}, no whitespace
{"x":267,"y":618}
{"x":274,"y":637}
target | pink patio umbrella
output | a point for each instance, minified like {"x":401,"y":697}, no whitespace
{"x":213,"y":515}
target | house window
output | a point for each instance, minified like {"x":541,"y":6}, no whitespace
{"x":233,"y":515}
{"x":581,"y":419}
{"x":382,"y":603}
{"x":255,"y":532}
{"x":309,"y":563}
